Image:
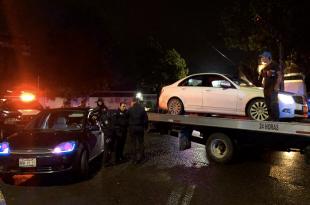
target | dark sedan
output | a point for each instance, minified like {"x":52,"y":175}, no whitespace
{"x":56,"y":140}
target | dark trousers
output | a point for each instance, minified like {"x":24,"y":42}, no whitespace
{"x":137,"y":142}
{"x":108,"y":147}
{"x":120,"y":140}
{"x":271,"y":100}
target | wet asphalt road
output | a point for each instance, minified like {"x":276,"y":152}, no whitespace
{"x":175,"y":177}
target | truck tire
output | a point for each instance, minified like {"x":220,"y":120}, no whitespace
{"x":220,"y":148}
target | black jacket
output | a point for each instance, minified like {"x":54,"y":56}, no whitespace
{"x":105,"y":118}
{"x":137,"y":116}
{"x":121,"y":119}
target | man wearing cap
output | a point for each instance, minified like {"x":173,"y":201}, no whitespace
{"x":272,"y":77}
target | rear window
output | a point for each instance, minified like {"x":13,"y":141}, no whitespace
{"x":19,"y":105}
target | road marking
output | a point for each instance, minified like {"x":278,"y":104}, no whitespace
{"x":176,"y":195}
{"x":188,"y":195}
{"x":2,"y":200}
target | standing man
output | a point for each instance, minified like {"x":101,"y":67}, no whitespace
{"x":272,"y":77}
{"x":120,"y":125}
{"x":138,"y":121}
{"x":105,"y":117}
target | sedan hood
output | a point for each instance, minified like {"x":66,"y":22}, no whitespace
{"x":252,"y":89}
{"x":41,"y":139}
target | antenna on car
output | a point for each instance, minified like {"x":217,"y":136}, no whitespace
{"x":222,"y":54}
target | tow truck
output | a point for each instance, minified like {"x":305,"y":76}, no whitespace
{"x":224,"y":136}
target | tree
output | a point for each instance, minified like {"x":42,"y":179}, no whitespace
{"x":158,"y":67}
{"x":256,"y":25}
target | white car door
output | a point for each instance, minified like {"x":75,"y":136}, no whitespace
{"x":219,"y":95}
{"x":190,"y":91}
{"x":96,"y":138}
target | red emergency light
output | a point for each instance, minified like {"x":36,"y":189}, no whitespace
{"x":27,"y":97}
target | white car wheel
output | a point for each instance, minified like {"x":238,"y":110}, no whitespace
{"x":175,"y":106}
{"x":257,"y":110}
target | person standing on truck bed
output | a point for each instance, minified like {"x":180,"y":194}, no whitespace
{"x":271,"y":75}
{"x":138,"y":122}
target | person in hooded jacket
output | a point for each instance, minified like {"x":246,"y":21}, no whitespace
{"x":105,"y":117}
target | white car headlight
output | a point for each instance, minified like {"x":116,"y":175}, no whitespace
{"x":286,"y":99}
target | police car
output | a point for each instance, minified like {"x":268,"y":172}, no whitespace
{"x":16,"y":110}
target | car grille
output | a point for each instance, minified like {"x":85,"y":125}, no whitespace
{"x":298,"y":99}
{"x":31,"y":151}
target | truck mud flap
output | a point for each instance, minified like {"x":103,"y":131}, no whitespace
{"x":184,"y":138}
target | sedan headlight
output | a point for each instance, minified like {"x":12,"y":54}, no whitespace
{"x":65,"y":147}
{"x":286,"y":99}
{"x":4,"y":148}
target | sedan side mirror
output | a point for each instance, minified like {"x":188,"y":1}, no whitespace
{"x":93,"y":128}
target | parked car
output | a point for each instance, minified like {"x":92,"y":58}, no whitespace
{"x":16,"y":112}
{"x":295,"y":83}
{"x":222,"y":94}
{"x":56,"y":140}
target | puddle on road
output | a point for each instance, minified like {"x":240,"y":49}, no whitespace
{"x":192,"y":158}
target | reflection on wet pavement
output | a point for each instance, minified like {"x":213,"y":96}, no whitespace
{"x":170,"y":176}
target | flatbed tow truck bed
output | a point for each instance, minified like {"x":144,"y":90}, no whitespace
{"x":223,"y":136}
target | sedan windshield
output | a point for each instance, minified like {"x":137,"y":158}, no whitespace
{"x":242,"y":82}
{"x":58,"y":120}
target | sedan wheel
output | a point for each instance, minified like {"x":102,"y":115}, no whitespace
{"x":81,"y":166}
{"x":175,"y":106}
{"x":257,"y":110}
{"x":84,"y":169}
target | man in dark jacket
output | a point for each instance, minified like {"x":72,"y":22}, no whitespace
{"x":272,"y":77}
{"x":138,"y":121}
{"x":120,"y":125}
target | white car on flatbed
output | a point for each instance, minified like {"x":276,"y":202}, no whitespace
{"x":216,"y":93}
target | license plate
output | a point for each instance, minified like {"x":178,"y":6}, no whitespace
{"x":28,"y":162}
{"x":305,"y":109}
{"x":10,"y":121}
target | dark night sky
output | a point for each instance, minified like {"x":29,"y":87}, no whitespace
{"x":188,"y":27}
{"x":80,"y":33}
